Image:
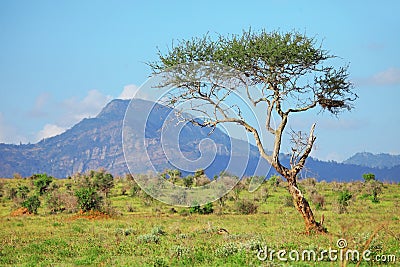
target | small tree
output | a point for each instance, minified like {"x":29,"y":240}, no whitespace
{"x":368,"y":177}
{"x":22,"y":191}
{"x":373,"y":187}
{"x":102,"y":181}
{"x":88,"y":199}
{"x":42,"y":182}
{"x":293,"y":75}
{"x":32,"y":203}
{"x":188,"y":181}
{"x":343,"y":200}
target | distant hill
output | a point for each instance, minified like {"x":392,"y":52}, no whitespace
{"x":367,"y":159}
{"x":97,"y":143}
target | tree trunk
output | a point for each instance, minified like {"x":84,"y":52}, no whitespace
{"x":304,"y":209}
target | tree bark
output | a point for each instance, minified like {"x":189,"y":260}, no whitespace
{"x":302,"y":206}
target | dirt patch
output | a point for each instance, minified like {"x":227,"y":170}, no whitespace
{"x":20,"y":212}
{"x":90,"y":215}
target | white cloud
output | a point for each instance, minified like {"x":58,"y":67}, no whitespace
{"x":77,"y":109}
{"x":56,"y":116}
{"x":390,"y":76}
{"x":128,"y":92}
{"x":49,"y":130}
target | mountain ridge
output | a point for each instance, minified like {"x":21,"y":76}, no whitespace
{"x":96,"y":143}
{"x":367,"y":159}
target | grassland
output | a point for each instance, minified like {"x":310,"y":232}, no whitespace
{"x":142,"y":232}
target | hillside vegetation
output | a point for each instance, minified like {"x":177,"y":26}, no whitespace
{"x":97,"y":219}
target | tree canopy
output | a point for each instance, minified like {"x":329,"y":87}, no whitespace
{"x":284,"y":73}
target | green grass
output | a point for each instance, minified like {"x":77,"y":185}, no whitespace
{"x":153,"y":236}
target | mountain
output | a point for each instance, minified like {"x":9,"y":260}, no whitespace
{"x":97,"y":143}
{"x":380,"y":161}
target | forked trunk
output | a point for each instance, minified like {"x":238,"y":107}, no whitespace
{"x":304,"y":208}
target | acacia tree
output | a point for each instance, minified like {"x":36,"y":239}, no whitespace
{"x":292,"y":74}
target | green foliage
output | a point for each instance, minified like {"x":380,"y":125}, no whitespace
{"x":188,"y":181}
{"x":344,"y":197}
{"x":22,"y":191}
{"x":32,"y":203}
{"x":135,"y":189}
{"x":227,"y":250}
{"x":158,"y":230}
{"x":148,"y":238}
{"x":372,"y":187}
{"x":199,"y":173}
{"x":42,"y":182}
{"x":88,"y":199}
{"x":343,"y":200}
{"x":206,"y":209}
{"x":368,"y":177}
{"x":271,"y":58}
{"x":275,"y":180}
{"x":102,"y":180}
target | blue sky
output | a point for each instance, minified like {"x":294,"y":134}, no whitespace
{"x":61,"y":61}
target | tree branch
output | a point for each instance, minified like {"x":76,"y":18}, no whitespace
{"x":307,"y":151}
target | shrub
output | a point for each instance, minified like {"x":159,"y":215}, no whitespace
{"x":343,"y":200}
{"x":102,"y":180}
{"x":180,"y":251}
{"x":245,"y":206}
{"x":318,"y":200}
{"x":201,"y":180}
{"x":158,"y":230}
{"x":226,"y":250}
{"x":22,"y":191}
{"x":368,"y":177}
{"x":135,"y":189}
{"x":32,"y":203}
{"x":42,"y":182}
{"x":61,"y":201}
{"x":275,"y":180}
{"x":194,"y":209}
{"x":206,"y":209}
{"x":88,"y":199}
{"x":188,"y":181}
{"x":148,"y":238}
{"x":374,"y":189}
{"x":11,"y":193}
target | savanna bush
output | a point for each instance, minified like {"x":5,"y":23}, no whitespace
{"x":88,"y":199}
{"x":62,"y":201}
{"x":148,"y":238}
{"x":246,"y":206}
{"x":227,"y":249}
{"x":42,"y":182}
{"x":32,"y":203}
{"x":343,"y":201}
{"x":180,"y":251}
{"x":318,"y":200}
{"x":206,"y":209}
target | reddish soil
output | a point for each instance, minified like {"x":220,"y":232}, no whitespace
{"x":20,"y":212}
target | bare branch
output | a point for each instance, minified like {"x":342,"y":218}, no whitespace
{"x":307,"y":151}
